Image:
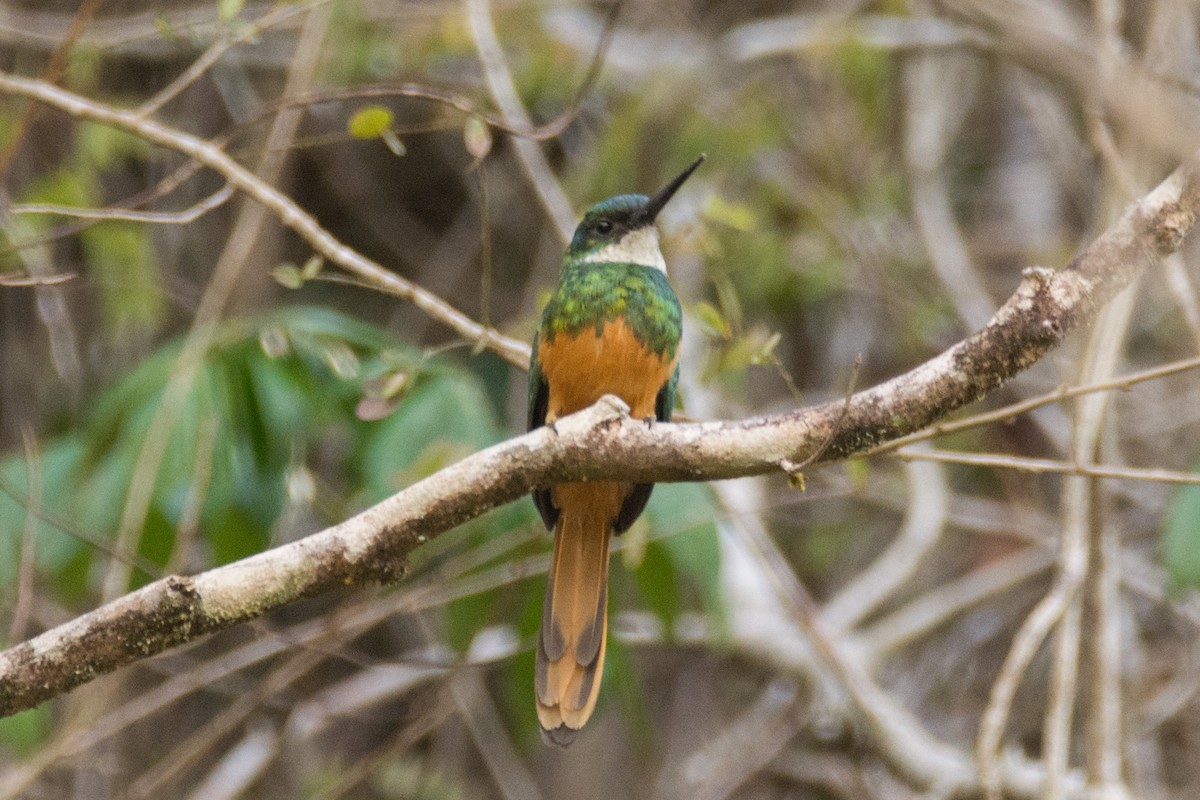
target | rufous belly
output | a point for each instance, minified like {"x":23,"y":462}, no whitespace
{"x":580,"y":369}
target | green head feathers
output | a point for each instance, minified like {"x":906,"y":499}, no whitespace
{"x":606,"y":222}
{"x":610,"y":221}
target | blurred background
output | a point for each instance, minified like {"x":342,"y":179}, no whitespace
{"x":183,"y":384}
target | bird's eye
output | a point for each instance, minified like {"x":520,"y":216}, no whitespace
{"x":603,"y":227}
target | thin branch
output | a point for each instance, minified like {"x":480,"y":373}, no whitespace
{"x":1045,"y":465}
{"x":820,"y":32}
{"x":165,"y":186}
{"x":25,"y":570}
{"x":34,"y":280}
{"x":1029,"y":638}
{"x":187,"y":215}
{"x":1063,"y":392}
{"x":794,"y":470}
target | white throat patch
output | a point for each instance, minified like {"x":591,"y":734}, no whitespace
{"x":636,"y":247}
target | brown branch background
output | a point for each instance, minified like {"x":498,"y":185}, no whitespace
{"x":1071,"y":695}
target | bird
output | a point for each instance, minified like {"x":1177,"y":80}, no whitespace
{"x":612,"y":326}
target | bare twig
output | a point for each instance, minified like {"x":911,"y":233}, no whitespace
{"x":1058,"y":395}
{"x":165,"y":186}
{"x":34,"y":280}
{"x":520,"y":127}
{"x":798,"y":33}
{"x":795,"y":470}
{"x":1045,"y":465}
{"x":215,"y":200}
{"x":25,"y":570}
{"x":937,"y":606}
{"x":1033,"y":632}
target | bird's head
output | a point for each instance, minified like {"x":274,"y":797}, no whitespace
{"x":621,"y":229}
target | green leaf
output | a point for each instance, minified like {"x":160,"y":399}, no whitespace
{"x":711,"y":320}
{"x":1181,"y":539}
{"x":312,"y":267}
{"x":477,"y":137}
{"x":683,"y":516}
{"x":228,"y":9}
{"x":122,"y":262}
{"x":442,"y":417}
{"x":657,"y":584}
{"x":24,"y":733}
{"x":738,"y":216}
{"x":370,"y":122}
{"x":288,"y":276}
{"x":103,"y":146}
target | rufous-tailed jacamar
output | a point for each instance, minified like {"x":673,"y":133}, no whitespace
{"x":611,"y":327}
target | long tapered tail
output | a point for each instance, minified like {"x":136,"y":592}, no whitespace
{"x":571,"y":643}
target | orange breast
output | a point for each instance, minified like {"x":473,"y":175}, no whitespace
{"x":579,"y":370}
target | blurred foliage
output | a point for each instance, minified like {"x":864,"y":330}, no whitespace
{"x":795,"y":248}
{"x":269,"y":393}
{"x":1181,"y":539}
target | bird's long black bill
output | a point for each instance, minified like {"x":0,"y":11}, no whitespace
{"x":656,"y":203}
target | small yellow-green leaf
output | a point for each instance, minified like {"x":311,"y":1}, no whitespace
{"x":477,"y":137}
{"x":736,"y":215}
{"x":273,"y":341}
{"x":370,"y":122}
{"x":312,"y":267}
{"x":288,"y":276}
{"x":387,"y":385}
{"x":711,"y":320}
{"x":766,"y":349}
{"x":859,"y":470}
{"x":228,"y":9}
{"x":739,"y":353}
{"x":341,"y":359}
{"x":163,"y":26}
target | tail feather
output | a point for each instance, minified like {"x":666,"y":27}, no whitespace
{"x":574,"y":634}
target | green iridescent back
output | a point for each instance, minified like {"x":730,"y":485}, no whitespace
{"x":591,"y":294}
